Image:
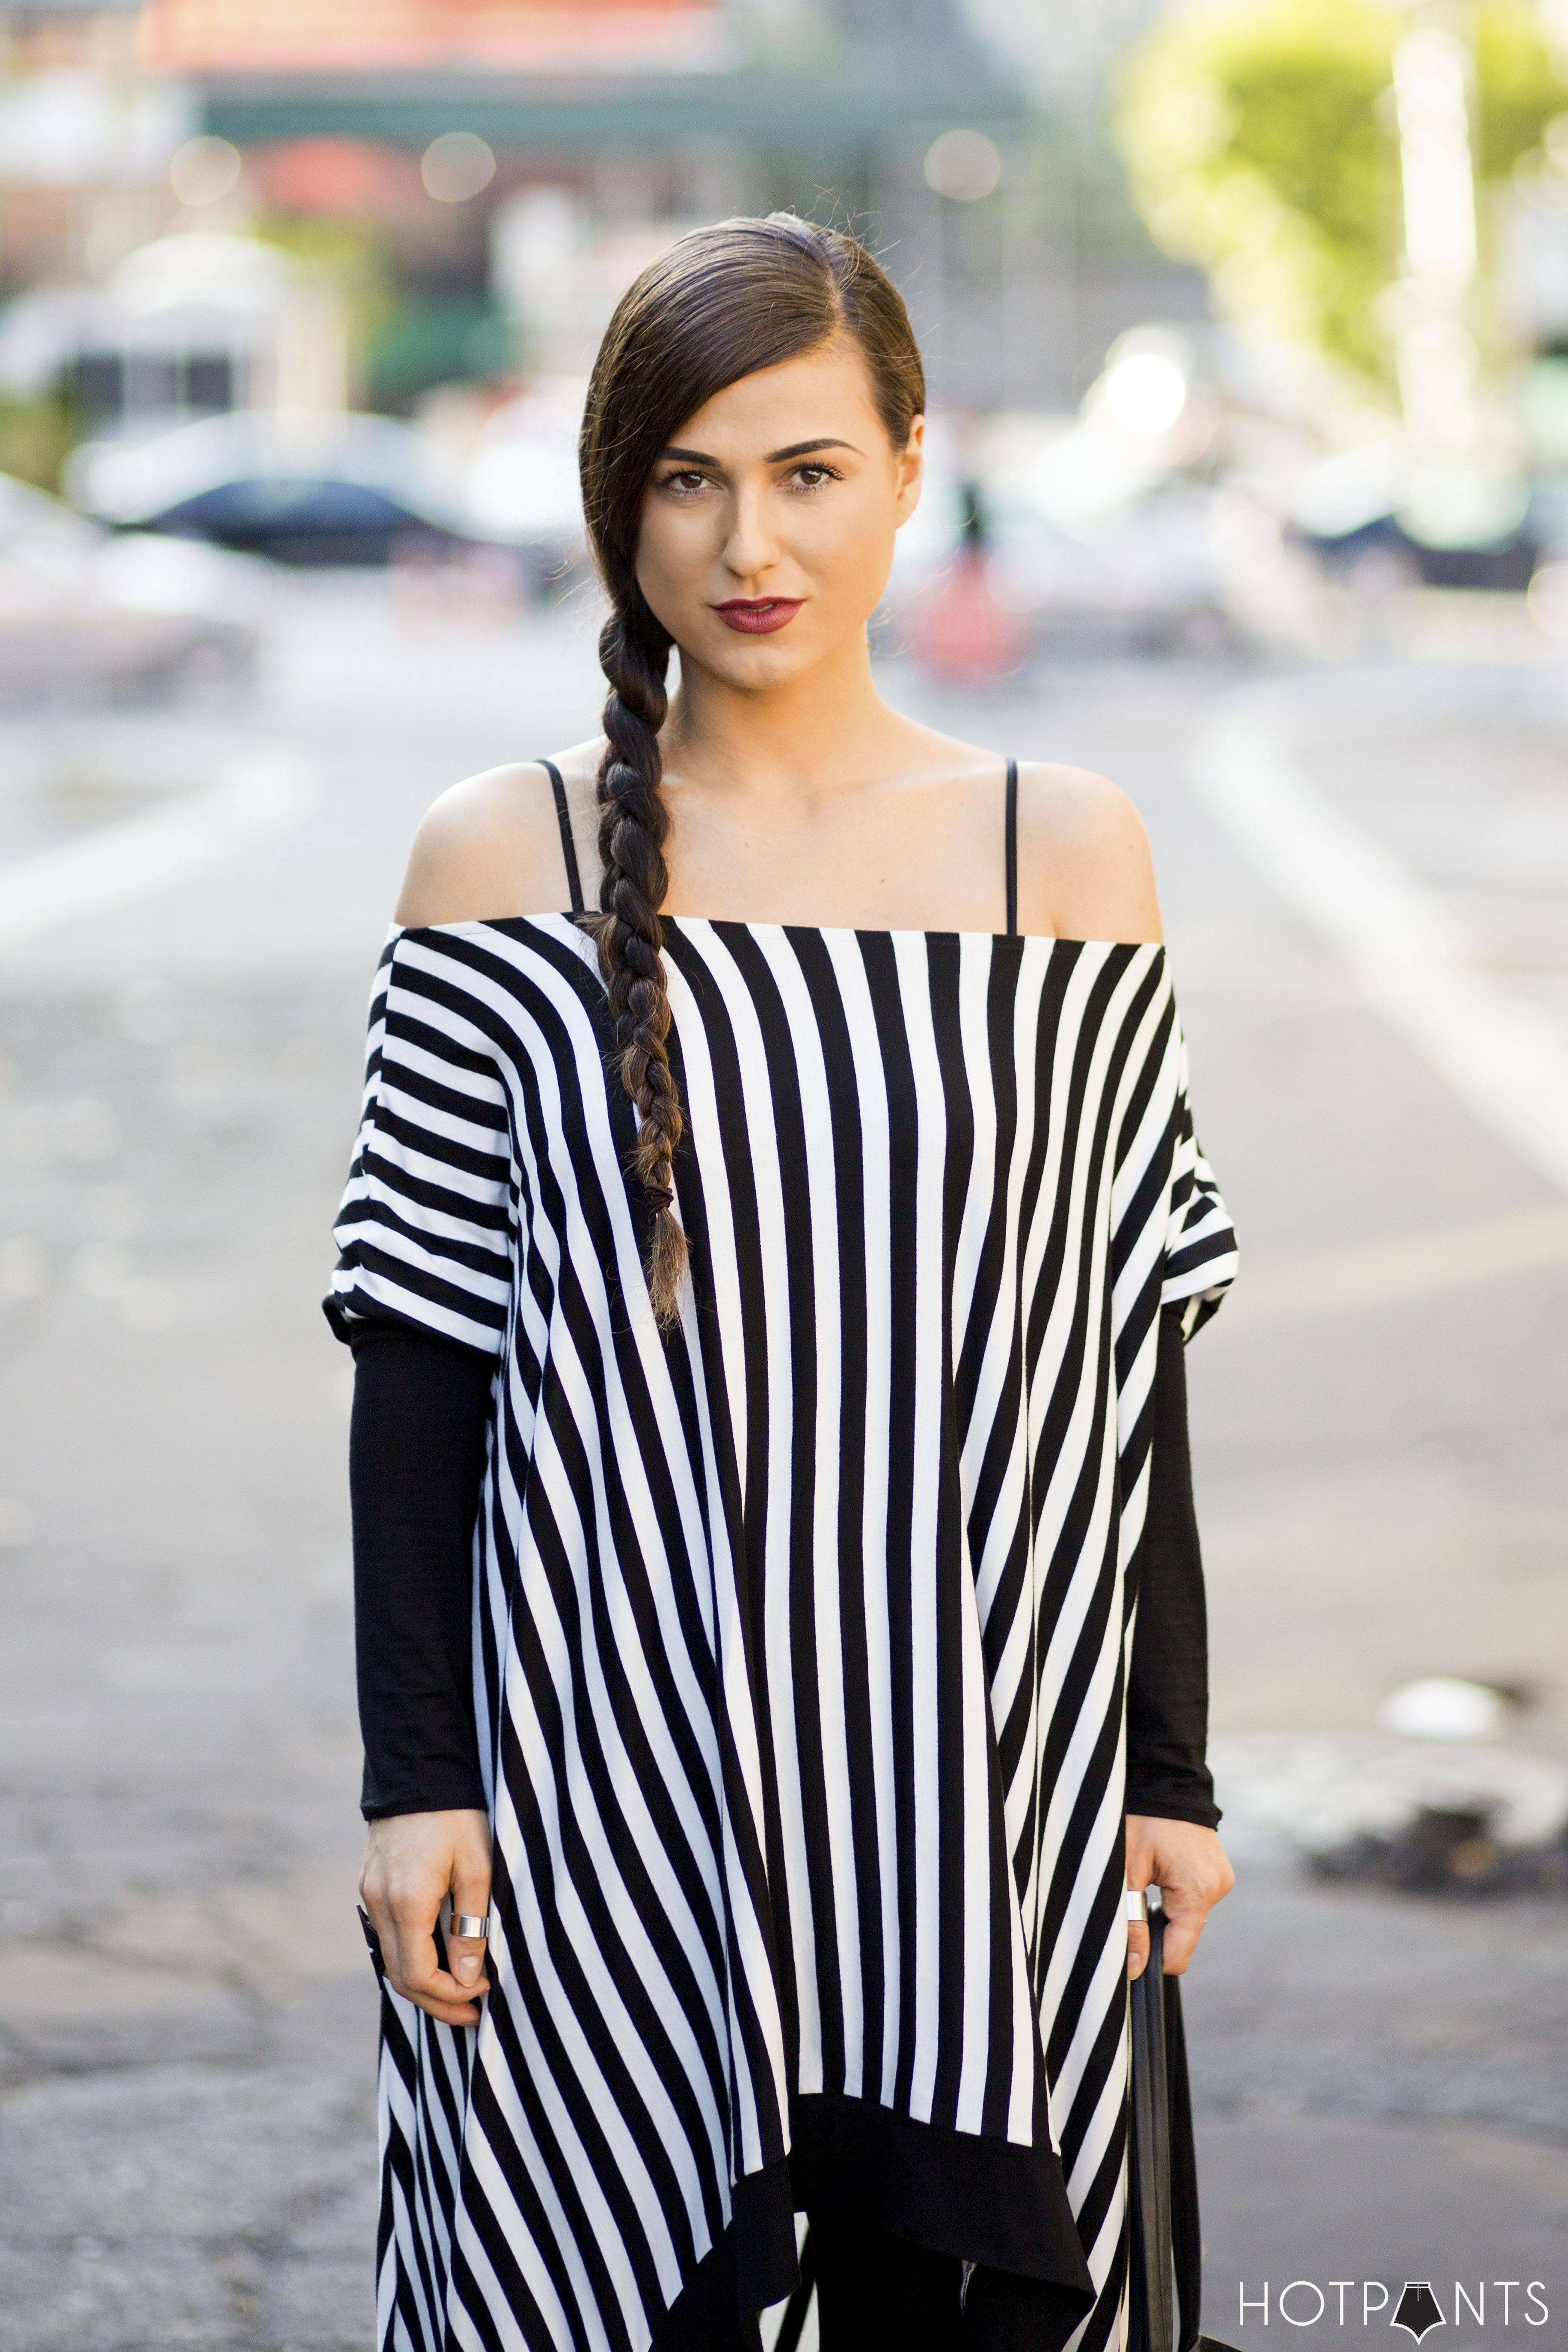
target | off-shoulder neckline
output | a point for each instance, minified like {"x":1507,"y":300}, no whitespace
{"x":734,"y":923}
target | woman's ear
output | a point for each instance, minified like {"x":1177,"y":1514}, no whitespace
{"x":909,"y":471}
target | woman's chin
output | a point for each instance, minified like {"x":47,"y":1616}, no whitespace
{"x":754,"y":664}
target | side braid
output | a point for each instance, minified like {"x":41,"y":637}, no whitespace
{"x":634,"y":653}
{"x":721,"y":304}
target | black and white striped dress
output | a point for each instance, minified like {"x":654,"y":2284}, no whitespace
{"x":800,"y":1635}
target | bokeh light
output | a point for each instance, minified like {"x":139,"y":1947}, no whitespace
{"x":1548,"y":601}
{"x":204,"y":171}
{"x":456,"y":166}
{"x":1146,"y":391}
{"x":963,"y":164}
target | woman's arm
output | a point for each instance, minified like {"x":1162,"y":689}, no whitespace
{"x":1168,"y":1692}
{"x":489,"y":847}
{"x":416,"y":1455}
{"x":1085,"y":873}
{"x":1171,"y":1812}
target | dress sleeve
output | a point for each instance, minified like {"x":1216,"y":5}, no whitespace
{"x":1200,"y":1262}
{"x":416,"y":1458}
{"x":424,"y":1230}
{"x":1167,"y":1692}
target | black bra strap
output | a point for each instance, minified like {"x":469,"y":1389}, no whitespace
{"x":1011,"y":829}
{"x":568,"y":846}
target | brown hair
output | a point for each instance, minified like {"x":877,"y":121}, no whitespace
{"x":722,"y":303}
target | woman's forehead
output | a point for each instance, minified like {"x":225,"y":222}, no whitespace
{"x":825,"y":392}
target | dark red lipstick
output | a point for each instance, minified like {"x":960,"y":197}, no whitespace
{"x":758,"y":616}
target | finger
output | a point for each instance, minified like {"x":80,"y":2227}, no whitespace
{"x":465,"y":1955}
{"x":440,"y":1985}
{"x":1137,"y":1947}
{"x":433,"y":1987}
{"x":446,"y":1986}
{"x":417,"y":1972}
{"x":1183,"y":1929}
{"x":466,"y":1958}
{"x":449,"y":2012}
{"x":443,"y":1991}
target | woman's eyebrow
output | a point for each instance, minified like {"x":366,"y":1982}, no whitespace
{"x":804,"y":450}
{"x":774,"y":457}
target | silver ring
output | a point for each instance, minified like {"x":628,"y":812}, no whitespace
{"x":1137,"y":1909}
{"x":469,"y":1923}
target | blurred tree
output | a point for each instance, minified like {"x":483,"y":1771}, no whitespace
{"x":1261,"y":144}
{"x":1522,"y":86}
{"x":37,"y":438}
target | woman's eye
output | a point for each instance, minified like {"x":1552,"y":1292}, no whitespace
{"x":684,"y":483}
{"x":812,"y":478}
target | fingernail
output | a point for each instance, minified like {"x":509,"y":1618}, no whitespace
{"x":466,"y":1970}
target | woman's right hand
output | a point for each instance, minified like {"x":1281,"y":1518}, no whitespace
{"x":411,"y":1863}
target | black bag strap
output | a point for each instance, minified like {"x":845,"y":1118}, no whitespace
{"x":1149,"y":2252}
{"x":568,"y":845}
{"x":1186,"y":2238}
{"x":1165,"y":2242}
{"x":1011,"y":840}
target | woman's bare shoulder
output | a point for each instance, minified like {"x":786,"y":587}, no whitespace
{"x":491,"y":846}
{"x":1084,"y":867}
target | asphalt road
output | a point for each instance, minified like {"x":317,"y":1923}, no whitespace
{"x":186,"y":2017}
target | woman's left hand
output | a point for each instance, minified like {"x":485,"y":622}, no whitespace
{"x":1189,"y":1866}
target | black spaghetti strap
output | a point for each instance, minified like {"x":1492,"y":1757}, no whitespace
{"x":1012,"y":825}
{"x":568,"y":846}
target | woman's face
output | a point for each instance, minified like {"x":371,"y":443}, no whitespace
{"x":766,"y":534}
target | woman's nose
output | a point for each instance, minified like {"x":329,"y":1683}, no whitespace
{"x":750,"y":547}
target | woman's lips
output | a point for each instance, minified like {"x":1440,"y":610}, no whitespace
{"x":757,"y":617}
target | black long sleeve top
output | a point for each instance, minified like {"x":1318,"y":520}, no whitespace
{"x":416,"y":1455}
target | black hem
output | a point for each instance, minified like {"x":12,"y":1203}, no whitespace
{"x":859,"y":2169}
{"x":766,"y":2265}
{"x":986,"y":2200}
{"x":469,"y":1798}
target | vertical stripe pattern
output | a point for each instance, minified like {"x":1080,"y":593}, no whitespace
{"x":801,"y":1634}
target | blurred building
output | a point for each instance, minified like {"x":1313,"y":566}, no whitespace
{"x":208,"y":205}
{"x":85,"y":136}
{"x":184,"y":327}
{"x":589,"y":133}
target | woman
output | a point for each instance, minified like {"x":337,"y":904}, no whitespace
{"x":768,"y":1298}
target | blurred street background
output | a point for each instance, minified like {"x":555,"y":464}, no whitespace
{"x":1246,"y":328}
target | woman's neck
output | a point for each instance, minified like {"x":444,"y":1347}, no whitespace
{"x":810,"y":735}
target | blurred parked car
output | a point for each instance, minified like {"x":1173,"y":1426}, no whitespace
{"x":86,"y":612}
{"x":1353,"y":513}
{"x":304,"y":489}
{"x":1382,"y":552}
